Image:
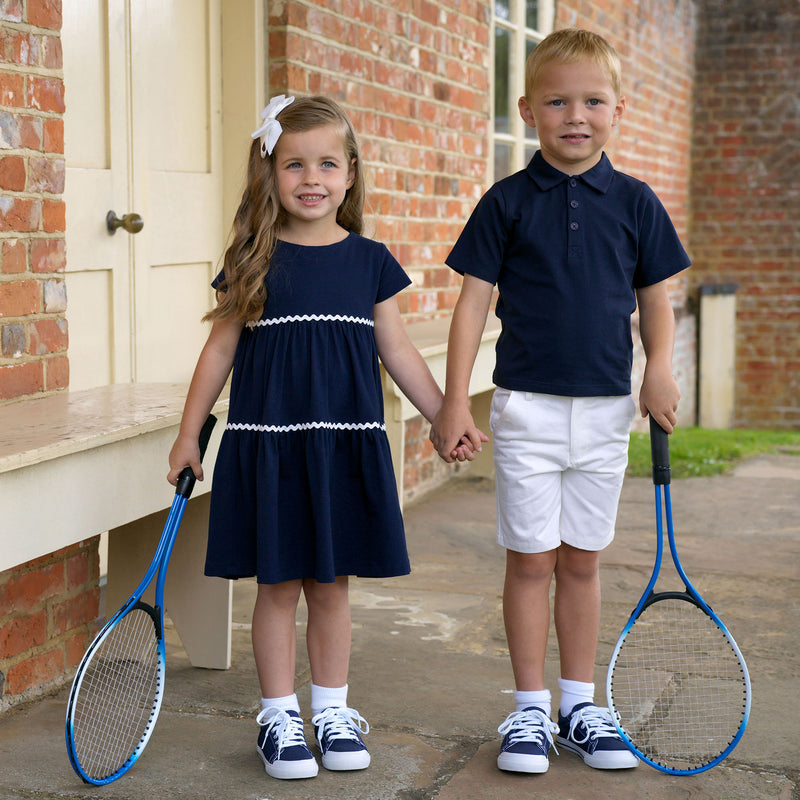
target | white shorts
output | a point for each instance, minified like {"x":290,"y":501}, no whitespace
{"x":559,"y":464}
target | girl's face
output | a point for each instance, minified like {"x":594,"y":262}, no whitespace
{"x":573,"y":109}
{"x":313,"y":175}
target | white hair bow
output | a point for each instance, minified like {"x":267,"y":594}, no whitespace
{"x":271,"y":129}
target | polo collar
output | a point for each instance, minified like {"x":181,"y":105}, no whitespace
{"x":547,"y":177}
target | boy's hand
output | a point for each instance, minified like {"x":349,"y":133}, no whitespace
{"x":659,"y":396}
{"x":454,"y":433}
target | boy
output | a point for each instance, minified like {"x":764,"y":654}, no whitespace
{"x":571,"y":244}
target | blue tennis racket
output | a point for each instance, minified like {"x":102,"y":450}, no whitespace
{"x":117,"y":691}
{"x":677,"y":685}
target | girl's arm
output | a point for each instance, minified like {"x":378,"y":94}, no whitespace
{"x":454,"y":420}
{"x":403,"y":361}
{"x":660,"y":394}
{"x":212,"y":370}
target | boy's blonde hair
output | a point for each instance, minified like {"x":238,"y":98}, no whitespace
{"x":569,"y":45}
{"x":260,"y":217}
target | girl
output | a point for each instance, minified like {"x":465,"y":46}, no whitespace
{"x":304,"y":492}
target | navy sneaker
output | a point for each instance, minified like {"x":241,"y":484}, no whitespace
{"x":338,"y":732}
{"x":527,"y":738}
{"x":589,"y":732}
{"x":282,"y":745}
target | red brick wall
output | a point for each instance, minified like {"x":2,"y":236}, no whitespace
{"x":48,"y":609}
{"x":33,"y":328}
{"x":746,"y":193}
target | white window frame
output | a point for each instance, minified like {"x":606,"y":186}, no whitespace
{"x":519,"y":137}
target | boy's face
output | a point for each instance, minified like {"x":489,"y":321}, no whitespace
{"x":573,"y":108}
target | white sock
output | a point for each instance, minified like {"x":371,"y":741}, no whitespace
{"x":573,"y":693}
{"x":323,"y":697}
{"x":288,"y":703}
{"x":540,"y":699}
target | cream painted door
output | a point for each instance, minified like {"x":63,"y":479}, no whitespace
{"x":142,"y":134}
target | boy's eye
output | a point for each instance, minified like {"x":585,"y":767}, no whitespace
{"x":594,"y":102}
{"x":557,"y":103}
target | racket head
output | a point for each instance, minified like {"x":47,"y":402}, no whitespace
{"x":677,"y":686}
{"x":116,"y":695}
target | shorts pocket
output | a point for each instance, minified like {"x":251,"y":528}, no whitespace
{"x":500,"y":400}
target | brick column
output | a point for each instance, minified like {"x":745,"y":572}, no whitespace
{"x":33,"y":328}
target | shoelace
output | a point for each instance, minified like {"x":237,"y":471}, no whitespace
{"x":339,"y":723}
{"x":530,"y":725}
{"x":596,"y":722}
{"x":288,"y":729}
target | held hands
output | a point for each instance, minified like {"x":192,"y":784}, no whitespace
{"x":659,"y":396}
{"x":185,"y":453}
{"x":454,"y":433}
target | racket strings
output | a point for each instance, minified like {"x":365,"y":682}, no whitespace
{"x":118,"y":694}
{"x":677,"y":686}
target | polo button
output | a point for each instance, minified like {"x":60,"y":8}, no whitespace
{"x":573,"y":183}
{"x":573,"y":226}
{"x":574,"y":203}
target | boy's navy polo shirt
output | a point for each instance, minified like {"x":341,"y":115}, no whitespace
{"x":567,"y":253}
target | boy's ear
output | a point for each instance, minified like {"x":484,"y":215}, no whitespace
{"x":619,"y":110}
{"x":526,"y":113}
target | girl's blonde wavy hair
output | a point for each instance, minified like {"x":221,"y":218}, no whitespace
{"x":260,"y":216}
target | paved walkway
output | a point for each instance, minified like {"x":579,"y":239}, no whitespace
{"x":430,"y":669}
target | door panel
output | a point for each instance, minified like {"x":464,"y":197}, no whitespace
{"x":143,"y":134}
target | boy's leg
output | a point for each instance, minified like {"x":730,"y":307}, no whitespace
{"x":526,"y":614}
{"x":577,"y":611}
{"x":328,"y":636}
{"x":528,"y":731}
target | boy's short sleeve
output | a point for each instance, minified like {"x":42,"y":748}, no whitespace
{"x":661,"y":254}
{"x":480,"y":248}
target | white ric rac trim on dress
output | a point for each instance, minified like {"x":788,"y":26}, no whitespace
{"x":306,"y":426}
{"x":311,"y":318}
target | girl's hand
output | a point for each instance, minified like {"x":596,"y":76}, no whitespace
{"x":454,"y":433}
{"x":185,"y":453}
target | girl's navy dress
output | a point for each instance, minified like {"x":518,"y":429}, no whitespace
{"x":303,"y":483}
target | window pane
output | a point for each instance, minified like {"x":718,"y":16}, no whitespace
{"x":530,"y":46}
{"x":502,"y":160}
{"x":532,"y":14}
{"x":502,"y":41}
{"x":501,"y":9}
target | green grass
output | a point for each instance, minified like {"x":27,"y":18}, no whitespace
{"x":699,"y":451}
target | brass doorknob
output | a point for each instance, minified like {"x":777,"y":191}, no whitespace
{"x":132,"y":223}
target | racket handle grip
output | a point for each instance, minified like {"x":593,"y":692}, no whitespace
{"x":659,"y":451}
{"x":186,"y":479}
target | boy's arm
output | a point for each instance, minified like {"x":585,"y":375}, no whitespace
{"x":454,"y":420}
{"x":660,"y":394}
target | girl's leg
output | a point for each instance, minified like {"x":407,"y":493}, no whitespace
{"x":328,"y":631}
{"x":577,"y":611}
{"x":275,"y":637}
{"x":526,"y":612}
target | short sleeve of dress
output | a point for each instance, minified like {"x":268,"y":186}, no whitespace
{"x":393,"y":278}
{"x":215,"y":284}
